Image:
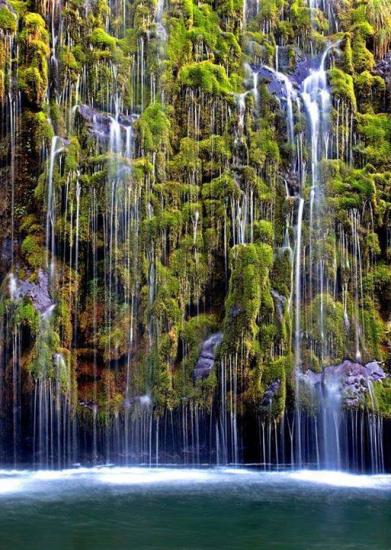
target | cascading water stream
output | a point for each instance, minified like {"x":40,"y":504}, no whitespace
{"x":290,"y":98}
{"x":317,"y":103}
{"x":57,"y":146}
{"x":171,"y":290}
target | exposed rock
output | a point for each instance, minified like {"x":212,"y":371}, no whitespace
{"x":8,"y":5}
{"x":275,"y":84}
{"x":383,"y":69}
{"x":349,"y":379}
{"x":6,"y":249}
{"x":206,"y":359}
{"x":279,"y":302}
{"x":270,"y":392}
{"x":38,"y":292}
{"x":235,"y":311}
{"x":99,"y":122}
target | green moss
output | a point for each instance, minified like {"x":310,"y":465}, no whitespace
{"x":32,"y":84}
{"x":382,"y":397}
{"x":348,"y":56}
{"x":33,"y":251}
{"x":7,"y":20}
{"x":264,"y":147}
{"x":363,"y":59}
{"x":379,"y":280}
{"x":101,"y":39}
{"x":42,"y":365}
{"x":205,"y":28}
{"x":374,"y":139}
{"x":348,"y":188}
{"x":370,"y":91}
{"x":165,"y":308}
{"x":270,"y":9}
{"x":154,"y":126}
{"x":277,"y":370}
{"x":72,"y":155}
{"x":333,"y":330}
{"x":264,"y":232}
{"x":33,"y":75}
{"x":113,"y":340}
{"x":342,"y":86}
{"x":43,"y":130}
{"x":206,"y":76}
{"x":2,"y":84}
{"x":378,"y":13}
{"x":249,"y":265}
{"x":221,"y":187}
{"x":373,"y":337}
{"x":187,"y":161}
{"x":26,"y":314}
{"x":192,"y":333}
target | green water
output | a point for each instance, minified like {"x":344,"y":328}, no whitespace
{"x":134,"y":509}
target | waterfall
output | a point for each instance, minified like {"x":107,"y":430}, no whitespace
{"x":298,"y":312}
{"x":178,"y":171}
{"x":56,"y":148}
{"x":290,"y":97}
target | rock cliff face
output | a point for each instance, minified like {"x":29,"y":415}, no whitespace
{"x":194,"y":227}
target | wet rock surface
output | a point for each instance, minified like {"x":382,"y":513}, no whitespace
{"x":270,"y":392}
{"x":98,"y":122}
{"x":38,"y":292}
{"x":350,"y":379}
{"x":383,"y":68}
{"x":279,"y":302}
{"x":206,"y":359}
{"x":275,"y":84}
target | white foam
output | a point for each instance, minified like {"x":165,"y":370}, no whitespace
{"x":10,"y":485}
{"x":136,"y":476}
{"x":342,"y":479}
{"x":72,"y":479}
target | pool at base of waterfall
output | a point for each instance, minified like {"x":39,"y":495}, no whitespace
{"x":202,"y":508}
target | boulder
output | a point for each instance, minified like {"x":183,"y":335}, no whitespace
{"x":38,"y":292}
{"x":349,"y":381}
{"x":270,"y":392}
{"x":206,"y":358}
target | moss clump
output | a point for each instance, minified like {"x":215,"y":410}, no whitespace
{"x":374,"y":132}
{"x":43,"y":130}
{"x":33,"y":251}
{"x":378,"y":13}
{"x":342,"y":86}
{"x":154,"y":126}
{"x":249,"y":266}
{"x":382,"y":397}
{"x":7,"y":20}
{"x":47,"y":344}
{"x":191,"y":335}
{"x":221,"y":187}
{"x":2,"y":84}
{"x":101,"y":39}
{"x":264,"y":232}
{"x":278,"y":369}
{"x":33,"y":75}
{"x":370,"y":91}
{"x":206,"y":76}
{"x":348,"y":56}
{"x":363,"y":59}
{"x":27,"y":315}
{"x":379,"y":280}
{"x":330,"y":335}
{"x":348,"y":188}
